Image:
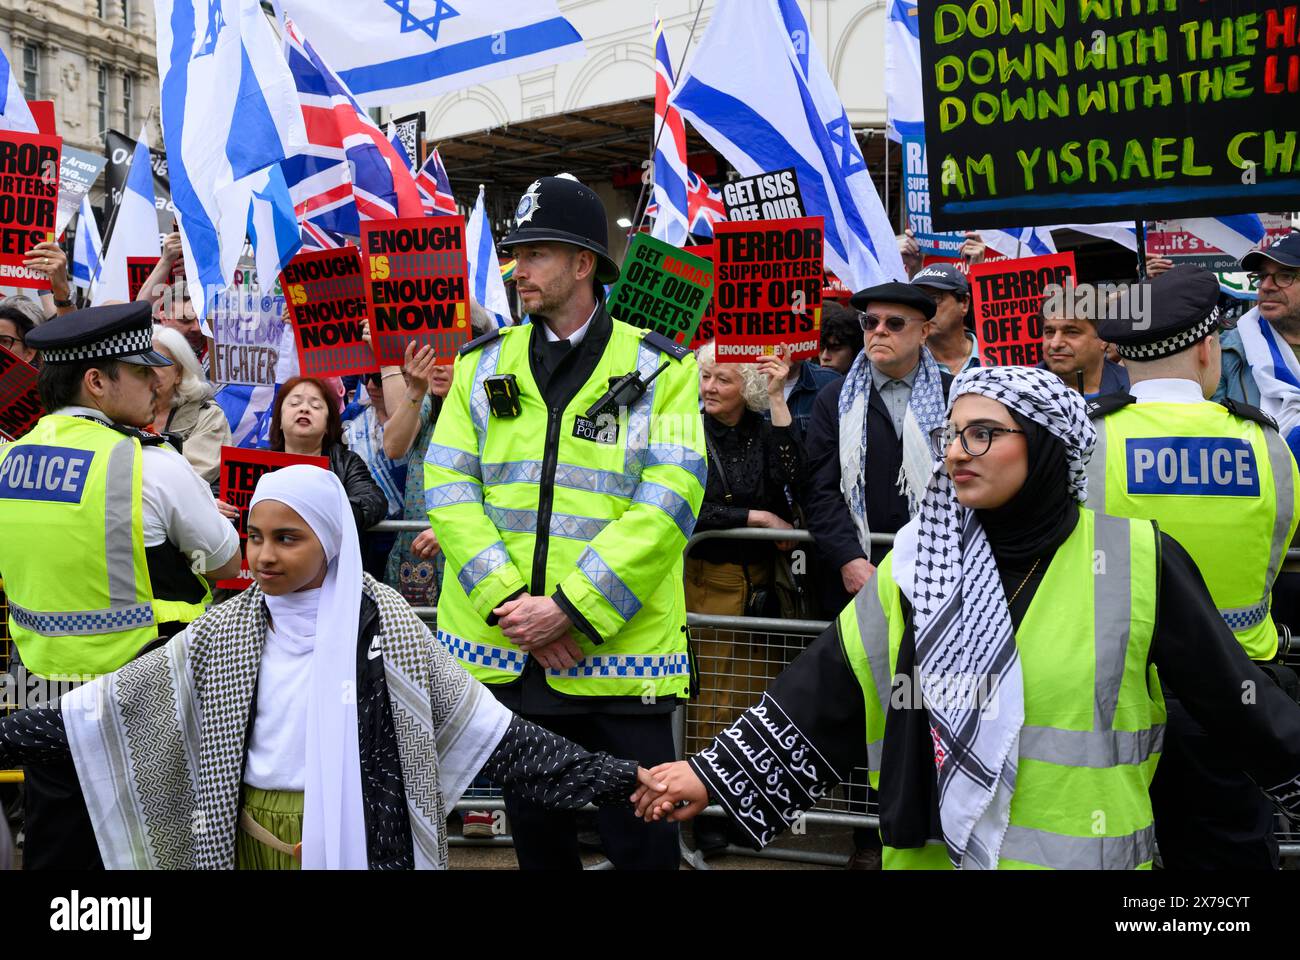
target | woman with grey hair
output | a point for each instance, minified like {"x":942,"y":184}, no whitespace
{"x":752,"y":464}
{"x":185,"y":408}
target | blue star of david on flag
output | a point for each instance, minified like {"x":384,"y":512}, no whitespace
{"x":216,"y":20}
{"x":842,"y":136}
{"x":410,"y":22}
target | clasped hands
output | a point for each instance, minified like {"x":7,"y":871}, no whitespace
{"x":538,"y":627}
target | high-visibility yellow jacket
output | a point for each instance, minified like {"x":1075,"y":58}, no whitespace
{"x":72,"y":551}
{"x":595,"y":512}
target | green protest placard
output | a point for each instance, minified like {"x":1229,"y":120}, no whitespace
{"x":662,"y":288}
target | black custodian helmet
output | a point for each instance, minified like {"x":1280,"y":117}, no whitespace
{"x":562,"y":210}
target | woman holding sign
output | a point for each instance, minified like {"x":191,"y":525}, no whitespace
{"x":995,"y":673}
{"x":306,"y":422}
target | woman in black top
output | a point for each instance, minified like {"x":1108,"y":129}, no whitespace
{"x":752,"y":463}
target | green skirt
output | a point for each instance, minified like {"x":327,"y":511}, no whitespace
{"x":279,"y":811}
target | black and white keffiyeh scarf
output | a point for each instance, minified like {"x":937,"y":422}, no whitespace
{"x":924,"y":413}
{"x":965,"y":645}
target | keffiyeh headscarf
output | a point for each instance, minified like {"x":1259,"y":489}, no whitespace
{"x":945,"y":567}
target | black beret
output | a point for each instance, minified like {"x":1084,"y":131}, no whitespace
{"x":909,"y":295}
{"x":121,"y":331}
{"x":1174,"y":311}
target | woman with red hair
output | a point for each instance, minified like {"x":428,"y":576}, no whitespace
{"x":306,"y":421}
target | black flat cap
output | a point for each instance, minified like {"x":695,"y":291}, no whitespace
{"x":122,"y":331}
{"x":1177,"y":310}
{"x":907,"y":294}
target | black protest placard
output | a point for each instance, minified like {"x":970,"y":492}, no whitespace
{"x":662,"y":288}
{"x":769,"y":288}
{"x":1051,"y":111}
{"x":327,"y":301}
{"x":1008,"y":301}
{"x":29,"y":202}
{"x":768,"y":196}
{"x":240,"y":471}
{"x":417,"y":286}
{"x":20,"y":404}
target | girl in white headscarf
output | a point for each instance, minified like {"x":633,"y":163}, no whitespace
{"x":1001,"y":663}
{"x":364,"y":730}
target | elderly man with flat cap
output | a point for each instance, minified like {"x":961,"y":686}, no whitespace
{"x":110,"y":537}
{"x":1220,"y":479}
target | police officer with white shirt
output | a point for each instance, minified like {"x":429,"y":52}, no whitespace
{"x":1220,"y":480}
{"x":110,"y":537}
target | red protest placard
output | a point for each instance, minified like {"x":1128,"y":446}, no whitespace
{"x":1008,"y":297}
{"x":769,"y":288}
{"x":20,"y":404}
{"x":704,"y":332}
{"x":240,"y":471}
{"x":29,"y":202}
{"x":139,"y":268}
{"x":327,"y":303}
{"x":1168,"y":239}
{"x":417,"y":285}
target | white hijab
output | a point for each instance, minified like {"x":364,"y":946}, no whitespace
{"x":333,"y":829}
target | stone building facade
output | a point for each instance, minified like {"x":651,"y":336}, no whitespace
{"x":94,"y":58}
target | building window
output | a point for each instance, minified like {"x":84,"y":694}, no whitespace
{"x":126,"y":13}
{"x":128,"y":100}
{"x":31,"y":70}
{"x":101,"y":9}
{"x":102,"y":90}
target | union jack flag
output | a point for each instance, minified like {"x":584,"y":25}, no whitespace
{"x":349,"y":171}
{"x":704,"y":206}
{"x":435,"y":187}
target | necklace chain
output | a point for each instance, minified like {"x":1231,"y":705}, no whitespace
{"x":1023,"y":582}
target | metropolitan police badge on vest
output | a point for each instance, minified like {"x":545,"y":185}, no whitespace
{"x":603,"y":429}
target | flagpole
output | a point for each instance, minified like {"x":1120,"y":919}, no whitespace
{"x":112,"y":221}
{"x":1141,"y":225}
{"x":638,"y":210}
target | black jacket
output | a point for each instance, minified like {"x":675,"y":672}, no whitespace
{"x":369,"y":505}
{"x":827,"y":514}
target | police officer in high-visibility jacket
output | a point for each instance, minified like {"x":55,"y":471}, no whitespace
{"x":1222,"y":482}
{"x":563,"y":480}
{"x":110,"y":537}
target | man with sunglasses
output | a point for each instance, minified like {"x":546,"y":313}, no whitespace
{"x":1211,"y":475}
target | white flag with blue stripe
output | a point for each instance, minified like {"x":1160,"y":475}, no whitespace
{"x":1235,"y":236}
{"x":229,"y":109}
{"x":134,"y":230}
{"x":86,"y":249}
{"x":272,"y":226}
{"x":758,"y":91}
{"x":1125,"y":234}
{"x":391,"y":51}
{"x":14,"y":112}
{"x":904,"y":109}
{"x":1025,"y":242}
{"x":484,"y":267}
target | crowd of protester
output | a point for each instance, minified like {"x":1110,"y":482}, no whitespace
{"x":775,"y":433}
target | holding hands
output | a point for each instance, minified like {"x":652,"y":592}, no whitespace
{"x":666,"y":786}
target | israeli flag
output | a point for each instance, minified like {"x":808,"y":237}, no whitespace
{"x":1025,"y":242}
{"x":229,"y":109}
{"x":272,"y":226}
{"x":1125,"y":234}
{"x":391,"y":51}
{"x":484,"y":269}
{"x":134,"y":230}
{"x":14,"y":112}
{"x":904,"y":109}
{"x":1235,"y":236}
{"x":86,"y":248}
{"x":758,"y":91}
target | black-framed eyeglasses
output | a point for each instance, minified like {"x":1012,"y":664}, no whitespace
{"x":894,"y":324}
{"x":10,"y":343}
{"x":976,"y":438}
{"x":1283,"y":278}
